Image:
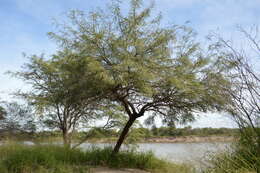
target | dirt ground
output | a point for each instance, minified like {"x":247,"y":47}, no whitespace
{"x":109,"y":170}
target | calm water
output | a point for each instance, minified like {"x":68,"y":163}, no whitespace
{"x":177,"y":152}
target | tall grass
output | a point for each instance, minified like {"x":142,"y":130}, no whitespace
{"x":132,"y":159}
{"x":234,"y":162}
{"x":243,"y":157}
{"x":17,"y":158}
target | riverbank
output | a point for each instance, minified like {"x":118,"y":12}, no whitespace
{"x":137,"y":135}
{"x":17,"y":158}
{"x":183,"y":139}
{"x":190,"y":139}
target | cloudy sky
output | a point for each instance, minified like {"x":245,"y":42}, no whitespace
{"x":24,"y":24}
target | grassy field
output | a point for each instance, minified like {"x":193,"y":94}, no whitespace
{"x":17,"y":158}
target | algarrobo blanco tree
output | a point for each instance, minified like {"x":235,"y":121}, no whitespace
{"x":145,"y":67}
{"x":57,"y":86}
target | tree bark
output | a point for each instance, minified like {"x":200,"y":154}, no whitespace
{"x":66,"y":138}
{"x":123,"y":134}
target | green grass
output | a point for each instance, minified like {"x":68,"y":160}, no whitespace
{"x":132,"y":159}
{"x":240,"y":159}
{"x":232,"y":163}
{"x":17,"y":158}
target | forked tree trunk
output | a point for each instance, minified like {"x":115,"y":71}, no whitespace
{"x":123,"y":134}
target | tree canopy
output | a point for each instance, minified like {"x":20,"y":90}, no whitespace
{"x":57,"y":90}
{"x":131,"y":60}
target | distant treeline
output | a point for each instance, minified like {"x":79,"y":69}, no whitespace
{"x":99,"y":133}
{"x":186,"y":131}
{"x":165,"y":132}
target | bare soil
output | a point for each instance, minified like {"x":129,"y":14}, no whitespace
{"x":109,"y":170}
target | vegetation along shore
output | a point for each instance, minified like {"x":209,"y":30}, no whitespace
{"x":124,"y":75}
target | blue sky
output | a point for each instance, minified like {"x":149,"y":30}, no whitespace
{"x":24,"y":24}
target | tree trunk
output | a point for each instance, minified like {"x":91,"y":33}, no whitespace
{"x":66,"y":138}
{"x":123,"y":134}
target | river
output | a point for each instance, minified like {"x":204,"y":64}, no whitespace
{"x":196,"y":154}
{"x":178,"y":152}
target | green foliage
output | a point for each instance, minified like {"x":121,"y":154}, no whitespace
{"x":132,"y":159}
{"x":143,"y":66}
{"x":19,"y":159}
{"x":130,"y":61}
{"x":187,"y":131}
{"x":101,"y":133}
{"x":234,"y":161}
{"x":63,"y":90}
{"x":244,"y":156}
{"x":56,"y":81}
{"x":135,"y":62}
{"x":141,"y":134}
{"x":110,"y":135}
{"x":42,"y":159}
